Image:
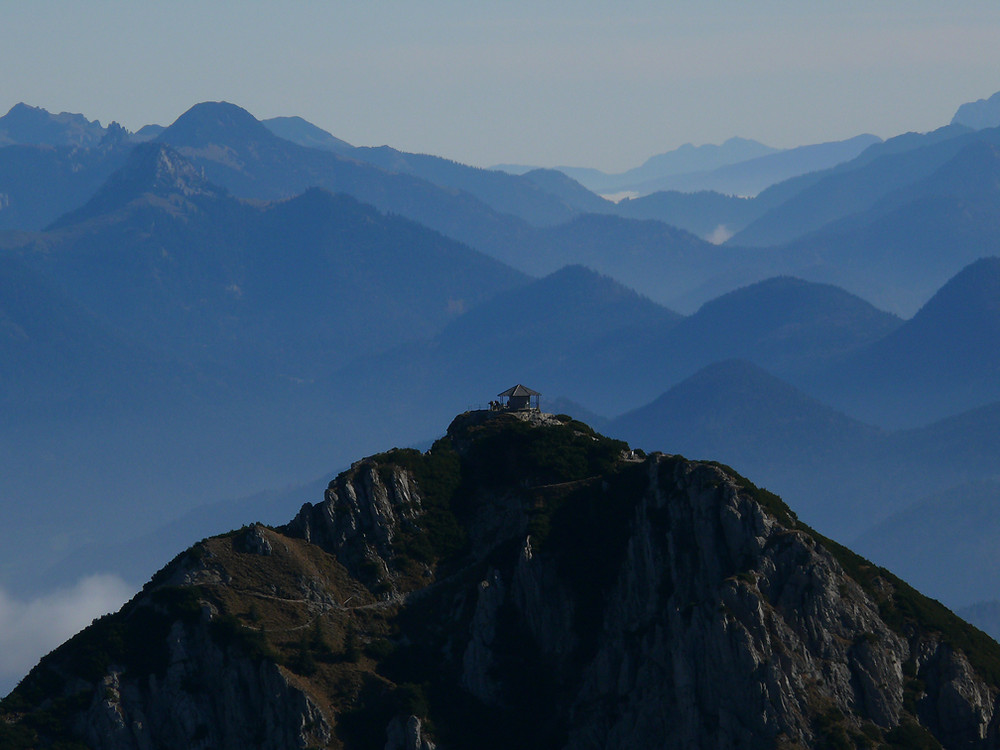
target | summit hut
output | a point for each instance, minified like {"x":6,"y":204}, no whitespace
{"x":519,"y":398}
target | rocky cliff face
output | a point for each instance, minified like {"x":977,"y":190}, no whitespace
{"x":523,"y":584}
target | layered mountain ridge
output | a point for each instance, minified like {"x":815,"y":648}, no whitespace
{"x":526,"y":582}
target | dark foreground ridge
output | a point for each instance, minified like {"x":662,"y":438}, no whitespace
{"x":526,"y":583}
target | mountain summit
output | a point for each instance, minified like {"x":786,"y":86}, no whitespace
{"x":524,"y":583}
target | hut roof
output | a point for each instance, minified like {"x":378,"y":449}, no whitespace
{"x":519,"y":390}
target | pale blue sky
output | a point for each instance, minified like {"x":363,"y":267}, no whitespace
{"x":585,"y":83}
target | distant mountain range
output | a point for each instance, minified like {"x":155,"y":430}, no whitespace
{"x":739,"y":167}
{"x":983,"y":113}
{"x":24,"y":125}
{"x":198,"y":312}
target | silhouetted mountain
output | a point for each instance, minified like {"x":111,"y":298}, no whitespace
{"x":787,"y":325}
{"x":304,"y":133}
{"x":505,"y":193}
{"x":147,"y":133}
{"x":983,"y":113}
{"x":569,"y":191}
{"x":34,"y":126}
{"x":288,"y":287}
{"x":239,"y":153}
{"x":683,"y":160}
{"x":751,"y":176}
{"x":942,"y":361}
{"x":843,"y":475}
{"x":454,"y":198}
{"x":58,"y":355}
{"x":908,"y":243}
{"x":551,"y":334}
{"x":743,"y":416}
{"x":857,"y":185}
{"x":651,"y":257}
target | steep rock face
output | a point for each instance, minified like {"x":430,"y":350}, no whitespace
{"x":362,"y":513}
{"x":207,"y":698}
{"x":525,"y":583}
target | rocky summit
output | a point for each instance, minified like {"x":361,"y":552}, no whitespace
{"x":525,"y":583}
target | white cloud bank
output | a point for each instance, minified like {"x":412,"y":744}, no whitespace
{"x":30,"y":629}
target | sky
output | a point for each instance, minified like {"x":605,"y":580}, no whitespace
{"x":583,"y":83}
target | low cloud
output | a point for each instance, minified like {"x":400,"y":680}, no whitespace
{"x":719,"y":235}
{"x":31,"y":628}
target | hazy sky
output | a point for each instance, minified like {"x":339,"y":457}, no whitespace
{"x":582,"y":83}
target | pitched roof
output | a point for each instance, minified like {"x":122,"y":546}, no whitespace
{"x":519,"y":390}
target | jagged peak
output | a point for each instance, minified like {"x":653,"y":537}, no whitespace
{"x":151,"y":169}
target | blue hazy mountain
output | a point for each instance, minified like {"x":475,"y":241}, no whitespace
{"x":682,"y":160}
{"x":942,"y":361}
{"x":744,"y":416}
{"x":844,"y":476}
{"x":657,"y":260}
{"x":569,"y":191}
{"x":300,"y":131}
{"x":554,"y":334}
{"x":816,"y":199}
{"x":167,"y":255}
{"x":906,"y":244}
{"x":749,"y":177}
{"x":40,"y":182}
{"x":202,"y":319}
{"x":737,"y":167}
{"x":957,"y":528}
{"x":983,"y":113}
{"x":524,"y":197}
{"x":33,"y":126}
{"x":788,"y":326}
{"x":707,"y":214}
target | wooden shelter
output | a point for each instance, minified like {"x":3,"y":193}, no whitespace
{"x":519,"y":398}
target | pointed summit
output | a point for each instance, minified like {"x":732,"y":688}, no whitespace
{"x":152,"y":169}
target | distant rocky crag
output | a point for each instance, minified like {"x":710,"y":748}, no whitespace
{"x":525,"y":583}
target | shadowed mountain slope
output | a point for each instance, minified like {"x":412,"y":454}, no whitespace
{"x":525,"y":583}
